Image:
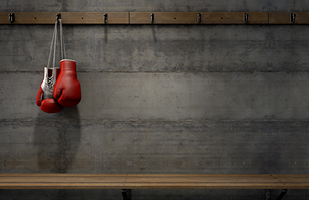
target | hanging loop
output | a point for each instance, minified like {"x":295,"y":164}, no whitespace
{"x":105,"y":18}
{"x":246,"y":18}
{"x":12,"y":17}
{"x":151,"y":17}
{"x":53,"y":45}
{"x":198,"y":17}
{"x":292,"y":17}
{"x":52,"y":49}
{"x":62,"y":46}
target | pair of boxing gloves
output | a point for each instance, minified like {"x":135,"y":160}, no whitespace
{"x":59,"y":90}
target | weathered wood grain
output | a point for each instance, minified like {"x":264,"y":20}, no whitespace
{"x":152,"y":181}
{"x":233,"y":17}
{"x":163,"y":18}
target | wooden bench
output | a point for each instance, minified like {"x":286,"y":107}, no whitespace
{"x":126,"y":182}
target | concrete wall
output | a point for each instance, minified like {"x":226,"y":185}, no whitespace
{"x":159,"y":99}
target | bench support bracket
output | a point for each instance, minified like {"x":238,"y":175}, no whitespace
{"x":282,"y":194}
{"x":126,"y":194}
{"x":284,"y":191}
{"x":268,"y":195}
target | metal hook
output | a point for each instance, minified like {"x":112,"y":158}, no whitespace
{"x":105,"y":18}
{"x":151,"y":17}
{"x":246,"y":18}
{"x":58,"y":16}
{"x":292,"y":17}
{"x":198,"y":17}
{"x":12,"y":17}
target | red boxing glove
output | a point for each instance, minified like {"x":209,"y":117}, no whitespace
{"x":67,"y":89}
{"x":44,"y":98}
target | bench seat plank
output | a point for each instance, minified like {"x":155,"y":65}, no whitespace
{"x":152,"y":181}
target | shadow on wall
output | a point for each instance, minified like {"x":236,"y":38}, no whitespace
{"x":57,"y":137}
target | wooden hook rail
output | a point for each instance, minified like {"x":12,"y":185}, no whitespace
{"x":156,"y":17}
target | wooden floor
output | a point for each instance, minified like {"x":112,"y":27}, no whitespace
{"x":152,"y":181}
